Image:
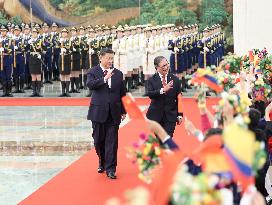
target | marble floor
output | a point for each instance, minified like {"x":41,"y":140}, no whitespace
{"x":36,"y":143}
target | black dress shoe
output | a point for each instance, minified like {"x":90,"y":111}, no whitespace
{"x":111,"y":175}
{"x":100,"y":170}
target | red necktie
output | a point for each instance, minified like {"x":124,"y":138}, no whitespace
{"x":163,"y":81}
{"x":105,"y":72}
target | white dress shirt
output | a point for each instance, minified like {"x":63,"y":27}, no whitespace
{"x":109,"y":80}
{"x":161,"y":76}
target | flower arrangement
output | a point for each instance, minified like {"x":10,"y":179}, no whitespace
{"x":232,"y":64}
{"x":194,"y":190}
{"x":261,"y":90}
{"x":147,"y":155}
{"x":227,"y":80}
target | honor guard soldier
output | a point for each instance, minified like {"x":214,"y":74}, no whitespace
{"x":93,"y":58}
{"x":36,"y":49}
{"x":109,"y":38}
{"x":173,"y":46}
{"x":18,"y":60}
{"x":6,"y":49}
{"x":203,"y":59}
{"x":148,"y":47}
{"x":26,"y":37}
{"x":47,"y":39}
{"x":119,"y":52}
{"x":103,"y":40}
{"x":56,"y":52}
{"x":65,"y":63}
{"x":84,"y":54}
{"x":76,"y":46}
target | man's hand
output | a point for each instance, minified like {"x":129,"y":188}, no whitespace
{"x":179,"y":120}
{"x":168,"y":86}
{"x":109,"y":74}
{"x":123,"y":117}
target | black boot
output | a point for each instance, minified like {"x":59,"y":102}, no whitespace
{"x":72,"y":85}
{"x":85,"y":81}
{"x":22,"y":84}
{"x":28,"y":83}
{"x":183,"y":85}
{"x":129,"y":84}
{"x":50,"y":77}
{"x":133,"y":82}
{"x":80,"y":82}
{"x":17,"y":89}
{"x":45,"y":77}
{"x":9,"y":90}
{"x":77,"y":82}
{"x":145,"y":92}
{"x":63,"y":86}
{"x":38,"y":88}
{"x":67,"y":83}
{"x":34,"y":88}
{"x":89,"y":93}
{"x":4,"y":90}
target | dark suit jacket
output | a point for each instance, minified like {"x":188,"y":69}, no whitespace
{"x":163,"y":104}
{"x":103,"y":98}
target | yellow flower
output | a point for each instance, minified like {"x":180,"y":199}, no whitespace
{"x":246,"y":119}
{"x":261,"y":162}
{"x":207,"y":199}
{"x":140,"y":161}
{"x":141,"y":176}
{"x":221,"y":103}
{"x":157,"y":151}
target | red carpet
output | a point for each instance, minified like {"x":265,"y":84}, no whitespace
{"x":81,"y":184}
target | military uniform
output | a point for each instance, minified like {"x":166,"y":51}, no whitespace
{"x":47,"y":40}
{"x":56,"y":53}
{"x":65,"y":64}
{"x":76,"y":45}
{"x":6,"y":61}
{"x":26,"y":38}
{"x":18,"y":61}
{"x":35,"y":49}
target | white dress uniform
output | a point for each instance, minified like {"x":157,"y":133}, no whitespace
{"x":150,"y":53}
{"x":130,"y":53}
{"x":137,"y":51}
{"x":120,"y":57}
{"x":165,"y":52}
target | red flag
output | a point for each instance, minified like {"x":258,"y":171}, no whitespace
{"x":131,"y":107}
{"x":179,"y":103}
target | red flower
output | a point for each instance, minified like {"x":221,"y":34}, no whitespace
{"x":226,"y":80}
{"x":227,"y":66}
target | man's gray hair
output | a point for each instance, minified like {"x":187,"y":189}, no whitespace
{"x":157,"y":61}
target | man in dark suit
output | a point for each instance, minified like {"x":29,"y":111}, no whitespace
{"x":106,"y":110}
{"x":163,"y":89}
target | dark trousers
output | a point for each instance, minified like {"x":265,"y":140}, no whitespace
{"x":105,"y":137}
{"x":168,"y":126}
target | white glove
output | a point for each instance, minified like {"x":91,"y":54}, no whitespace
{"x":2,"y":49}
{"x":63,"y":50}
{"x":206,"y":49}
{"x":15,"y":47}
{"x":74,"y":49}
{"x":30,"y":41}
{"x":176,"y":49}
{"x":91,"y":51}
{"x":39,"y":56}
